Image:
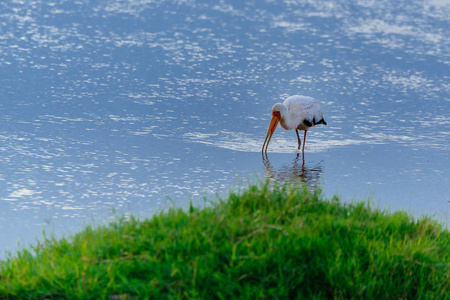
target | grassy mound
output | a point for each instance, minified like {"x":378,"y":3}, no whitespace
{"x":261,"y":243}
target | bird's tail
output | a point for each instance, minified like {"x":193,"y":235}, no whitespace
{"x":322,"y":121}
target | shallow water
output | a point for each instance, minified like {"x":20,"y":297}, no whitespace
{"x":134,"y":106}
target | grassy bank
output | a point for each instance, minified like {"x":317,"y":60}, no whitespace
{"x":285,"y":243}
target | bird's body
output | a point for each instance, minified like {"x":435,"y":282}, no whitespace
{"x":296,"y":112}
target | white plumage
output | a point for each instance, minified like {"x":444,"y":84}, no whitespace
{"x":296,"y":112}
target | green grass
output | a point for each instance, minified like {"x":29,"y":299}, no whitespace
{"x":269,"y":243}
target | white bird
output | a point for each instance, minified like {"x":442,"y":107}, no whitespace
{"x":296,"y":112}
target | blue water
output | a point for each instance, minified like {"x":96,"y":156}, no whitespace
{"x":117,"y":107}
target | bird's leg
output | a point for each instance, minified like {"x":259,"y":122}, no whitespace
{"x":299,"y":141}
{"x":304,"y":140}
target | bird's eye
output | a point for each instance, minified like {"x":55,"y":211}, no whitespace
{"x":276,"y":114}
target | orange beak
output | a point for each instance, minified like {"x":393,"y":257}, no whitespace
{"x":272,"y":126}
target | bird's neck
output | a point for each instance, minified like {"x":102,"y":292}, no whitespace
{"x":285,"y":121}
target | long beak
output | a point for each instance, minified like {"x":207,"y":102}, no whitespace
{"x":272,"y":126}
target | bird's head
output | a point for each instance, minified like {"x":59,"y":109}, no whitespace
{"x":277,"y":111}
{"x":276,"y":114}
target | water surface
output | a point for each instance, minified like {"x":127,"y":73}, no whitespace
{"x":113,"y":107}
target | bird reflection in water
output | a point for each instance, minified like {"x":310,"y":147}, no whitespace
{"x":296,"y":172}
